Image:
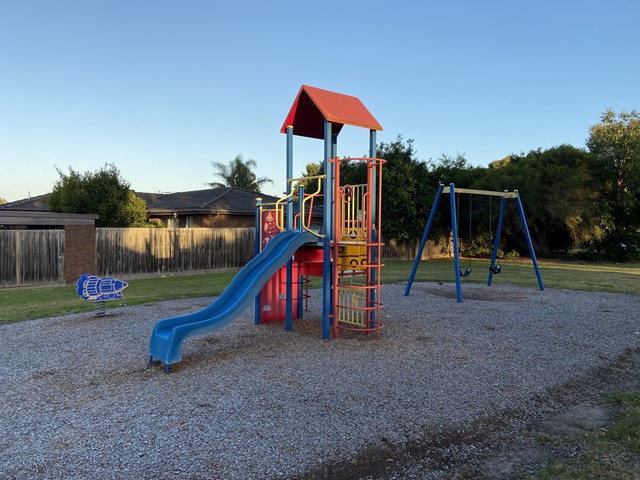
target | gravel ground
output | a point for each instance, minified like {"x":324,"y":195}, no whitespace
{"x":78,"y":400}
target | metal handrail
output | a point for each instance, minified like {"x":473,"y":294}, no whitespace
{"x":280,"y":211}
{"x":305,"y":200}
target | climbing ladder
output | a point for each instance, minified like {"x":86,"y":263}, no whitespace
{"x":357,"y":249}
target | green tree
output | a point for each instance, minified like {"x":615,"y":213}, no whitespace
{"x":239,"y":173}
{"x":311,"y":184}
{"x":2,"y":200}
{"x":616,"y":143}
{"x":558,"y":194}
{"x":407,"y":190}
{"x":133,"y":212}
{"x":103,"y":192}
{"x":449,"y":169}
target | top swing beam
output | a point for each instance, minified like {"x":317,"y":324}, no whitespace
{"x":505,"y":194}
{"x":454,"y":227}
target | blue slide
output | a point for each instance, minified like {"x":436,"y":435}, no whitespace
{"x":168,"y":335}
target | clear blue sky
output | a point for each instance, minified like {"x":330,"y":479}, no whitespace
{"x":162,"y":88}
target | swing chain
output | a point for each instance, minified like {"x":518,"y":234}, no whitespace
{"x":493,"y":268}
{"x":467,"y":271}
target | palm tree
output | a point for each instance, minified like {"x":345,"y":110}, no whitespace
{"x":238,"y":173}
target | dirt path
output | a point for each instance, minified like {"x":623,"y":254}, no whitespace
{"x":496,"y":447}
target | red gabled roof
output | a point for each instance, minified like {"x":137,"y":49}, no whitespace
{"x":313,"y":105}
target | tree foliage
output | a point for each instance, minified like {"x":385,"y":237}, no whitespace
{"x":104,"y":193}
{"x":239,"y":173}
{"x":615,"y":142}
{"x":407,"y":190}
{"x":2,"y":200}
{"x":556,"y":189}
{"x":309,"y":183}
{"x":454,"y":169}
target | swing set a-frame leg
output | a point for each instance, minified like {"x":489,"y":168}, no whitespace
{"x":532,"y":254}
{"x":525,"y":228}
{"x":454,"y":228}
{"x":423,"y":241}
{"x":456,"y":253}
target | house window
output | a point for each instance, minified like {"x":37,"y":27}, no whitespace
{"x":180,"y":222}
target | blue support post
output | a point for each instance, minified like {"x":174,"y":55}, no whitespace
{"x":327,"y":266}
{"x":258,"y":247}
{"x":529,"y":243}
{"x":496,"y":244}
{"x":454,"y":229}
{"x":423,"y":241}
{"x":289,"y":226}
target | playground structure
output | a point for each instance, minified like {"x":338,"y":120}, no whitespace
{"x":494,"y":268}
{"x":345,"y":252}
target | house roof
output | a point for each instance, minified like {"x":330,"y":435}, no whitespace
{"x":314,"y":105}
{"x":32,"y":204}
{"x":150,"y":197}
{"x":40,"y":203}
{"x":210,"y":200}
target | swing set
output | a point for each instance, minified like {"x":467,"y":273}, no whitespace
{"x":494,"y":267}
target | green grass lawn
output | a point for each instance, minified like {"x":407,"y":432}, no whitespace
{"x":605,"y":453}
{"x":621,"y":278}
{"x":26,"y":303}
{"x":17,"y":304}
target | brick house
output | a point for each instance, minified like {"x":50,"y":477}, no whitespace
{"x":210,"y":208}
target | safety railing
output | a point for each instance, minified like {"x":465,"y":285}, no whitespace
{"x":280,"y":207}
{"x":309,"y":198}
{"x":303,"y":200}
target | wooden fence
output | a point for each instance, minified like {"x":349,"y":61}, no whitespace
{"x":31,"y":257}
{"x":121,"y":251}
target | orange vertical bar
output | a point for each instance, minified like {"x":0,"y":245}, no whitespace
{"x":379,"y":246}
{"x":337,"y":196}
